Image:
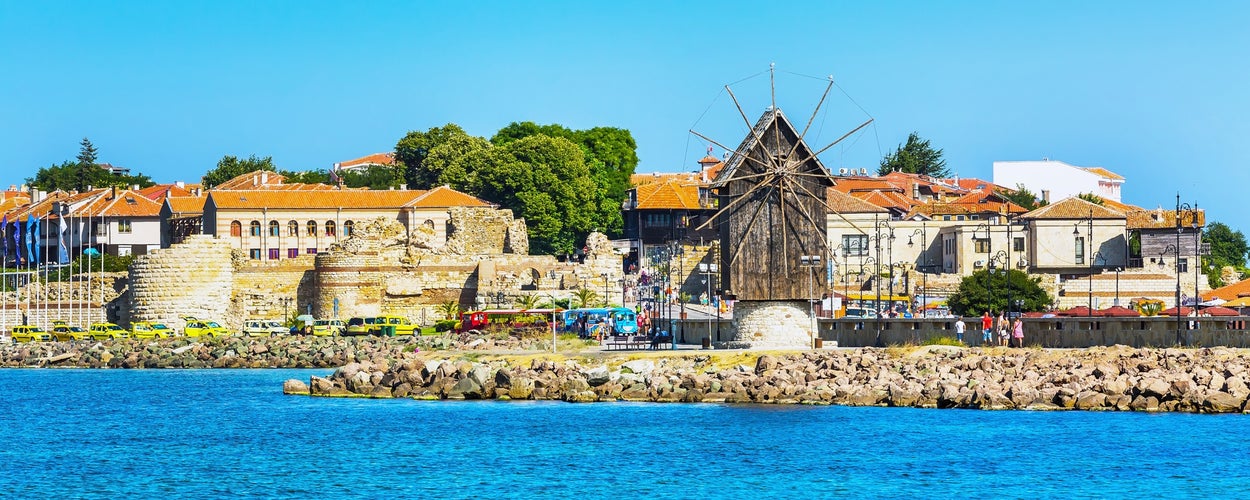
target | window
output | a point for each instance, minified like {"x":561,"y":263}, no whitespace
{"x":1080,"y":250}
{"x":312,"y":228}
{"x":946,"y":217}
{"x":99,"y":229}
{"x":292,"y":253}
{"x":292,"y":228}
{"x":959,"y":217}
{"x":123,"y":226}
{"x":311,"y":251}
{"x":854,"y":244}
{"x":236,"y":229}
{"x":659,"y":220}
{"x":1182,"y":265}
{"x":254,"y":228}
{"x":275,"y":229}
{"x":254,"y":253}
{"x":981,"y":245}
{"x":330,"y":228}
{"x":347,"y":228}
{"x":123,"y":250}
{"x":1017,"y":244}
{"x":273,"y":254}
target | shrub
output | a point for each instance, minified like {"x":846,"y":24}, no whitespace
{"x":943,"y":340}
{"x":445,"y":325}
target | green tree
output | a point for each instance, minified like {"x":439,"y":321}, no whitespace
{"x":530,"y":301}
{"x":87,"y":168}
{"x":1023,"y":197}
{"x":457,"y":161}
{"x":973,"y":297}
{"x":585,"y":297}
{"x":230,"y":167}
{"x":544,"y":180}
{"x":1228,"y":248}
{"x":412,"y":150}
{"x":379,"y":177}
{"x":306,"y":176}
{"x":1092,"y":198}
{"x":915,"y":156}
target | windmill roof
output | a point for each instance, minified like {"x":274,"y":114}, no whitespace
{"x":749,"y":143}
{"x":1073,"y":208}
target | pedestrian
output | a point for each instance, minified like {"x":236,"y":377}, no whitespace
{"x":1017,"y":332}
{"x":987,"y":329}
{"x":959,"y":329}
{"x":1003,"y":329}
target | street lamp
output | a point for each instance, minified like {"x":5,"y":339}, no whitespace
{"x":1076,"y":232}
{"x":811,"y":262}
{"x":709,"y":271}
{"x":880,"y":227}
{"x":1182,"y":209}
{"x":877,"y":313}
{"x":924,"y":266}
{"x":605,"y":288}
{"x":1180,"y":339}
{"x":989,"y":248}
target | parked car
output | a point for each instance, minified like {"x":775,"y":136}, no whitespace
{"x":358,"y":326}
{"x":107,"y":331}
{"x":328,"y":327}
{"x":400,"y":324}
{"x":63,"y":332}
{"x":859,"y":312}
{"x":30,"y":333}
{"x":203,"y":328}
{"x":263,"y":328}
{"x":150,"y":330}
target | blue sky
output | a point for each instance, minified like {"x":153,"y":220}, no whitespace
{"x":1153,"y":91}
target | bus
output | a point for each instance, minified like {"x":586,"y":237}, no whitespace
{"x":514,"y":318}
{"x":624,"y":321}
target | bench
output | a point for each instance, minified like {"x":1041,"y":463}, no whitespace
{"x":614,"y":341}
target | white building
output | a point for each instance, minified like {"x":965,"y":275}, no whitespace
{"x":1056,"y":180}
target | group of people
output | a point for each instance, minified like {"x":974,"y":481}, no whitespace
{"x":995,"y":330}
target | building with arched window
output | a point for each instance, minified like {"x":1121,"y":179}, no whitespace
{"x":327,"y":216}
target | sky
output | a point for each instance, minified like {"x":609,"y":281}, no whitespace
{"x":1154,"y":91}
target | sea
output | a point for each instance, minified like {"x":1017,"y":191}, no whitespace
{"x":74,"y":433}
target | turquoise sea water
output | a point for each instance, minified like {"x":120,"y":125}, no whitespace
{"x":223,"y":433}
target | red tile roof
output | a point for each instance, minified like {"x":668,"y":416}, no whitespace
{"x":364,"y":161}
{"x":161,"y":191}
{"x":1229,"y":292}
{"x":267,"y":180}
{"x":670,"y":194}
{"x":1073,"y":208}
{"x":186,"y":205}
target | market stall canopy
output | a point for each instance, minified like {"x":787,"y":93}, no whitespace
{"x":1075,"y":311}
{"x":1117,"y":312}
{"x":1219,"y":311}
{"x":1171,"y":311}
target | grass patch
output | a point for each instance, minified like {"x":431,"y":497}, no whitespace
{"x":943,"y":340}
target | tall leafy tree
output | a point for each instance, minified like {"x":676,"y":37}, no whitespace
{"x":318,"y":176}
{"x":87,"y":167}
{"x":1228,"y":248}
{"x":379,"y":177}
{"x":230,"y":167}
{"x":412,"y":150}
{"x":973,"y":297}
{"x":916,"y":156}
{"x":457,"y":161}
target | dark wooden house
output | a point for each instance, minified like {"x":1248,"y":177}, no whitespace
{"x":772,"y":194}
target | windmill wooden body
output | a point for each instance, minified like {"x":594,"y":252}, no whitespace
{"x":773,"y":215}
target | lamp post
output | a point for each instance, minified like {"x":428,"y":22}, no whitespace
{"x":1076,"y":233}
{"x":811,"y":262}
{"x":882,"y":229}
{"x":1180,"y":339}
{"x":708,"y":271}
{"x":989,"y":247}
{"x":605,"y":288}
{"x":877,"y":313}
{"x":833,"y":254}
{"x":924,"y":266}
{"x":1181,"y":210}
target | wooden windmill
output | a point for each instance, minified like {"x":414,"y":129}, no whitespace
{"x":772,"y":194}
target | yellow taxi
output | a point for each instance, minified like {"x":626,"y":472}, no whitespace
{"x":150,"y":330}
{"x":30,"y":333}
{"x":400,"y":324}
{"x":107,"y":331}
{"x":64,"y":332}
{"x":203,"y":328}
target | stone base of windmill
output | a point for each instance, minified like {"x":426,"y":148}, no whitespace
{"x":771,"y":325}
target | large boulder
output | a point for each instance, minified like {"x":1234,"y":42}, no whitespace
{"x":293,"y":386}
{"x":642,"y":367}
{"x":597,"y":376}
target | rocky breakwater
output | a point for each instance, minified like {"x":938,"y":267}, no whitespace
{"x":236,"y":352}
{"x":1117,"y":378}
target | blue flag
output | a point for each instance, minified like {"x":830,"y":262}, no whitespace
{"x":4,"y":241}
{"x":36,"y":241}
{"x":62,"y":256}
{"x":26,"y":238}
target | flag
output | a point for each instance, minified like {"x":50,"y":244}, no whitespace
{"x":62,"y":256}
{"x":38,"y":241}
{"x":26,"y":237}
{"x":4,"y":241}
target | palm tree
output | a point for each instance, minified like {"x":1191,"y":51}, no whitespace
{"x":449,"y":309}
{"x":527,"y":301}
{"x":585,"y":297}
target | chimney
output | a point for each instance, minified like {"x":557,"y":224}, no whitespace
{"x":255,"y":180}
{"x":114,"y":192}
{"x":1046,"y":195}
{"x":134,"y":187}
{"x":915,"y":191}
{"x":180,"y":184}
{"x":264,"y":177}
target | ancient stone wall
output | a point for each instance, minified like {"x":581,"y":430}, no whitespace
{"x":193,"y":278}
{"x":771,"y":325}
{"x":483,"y":231}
